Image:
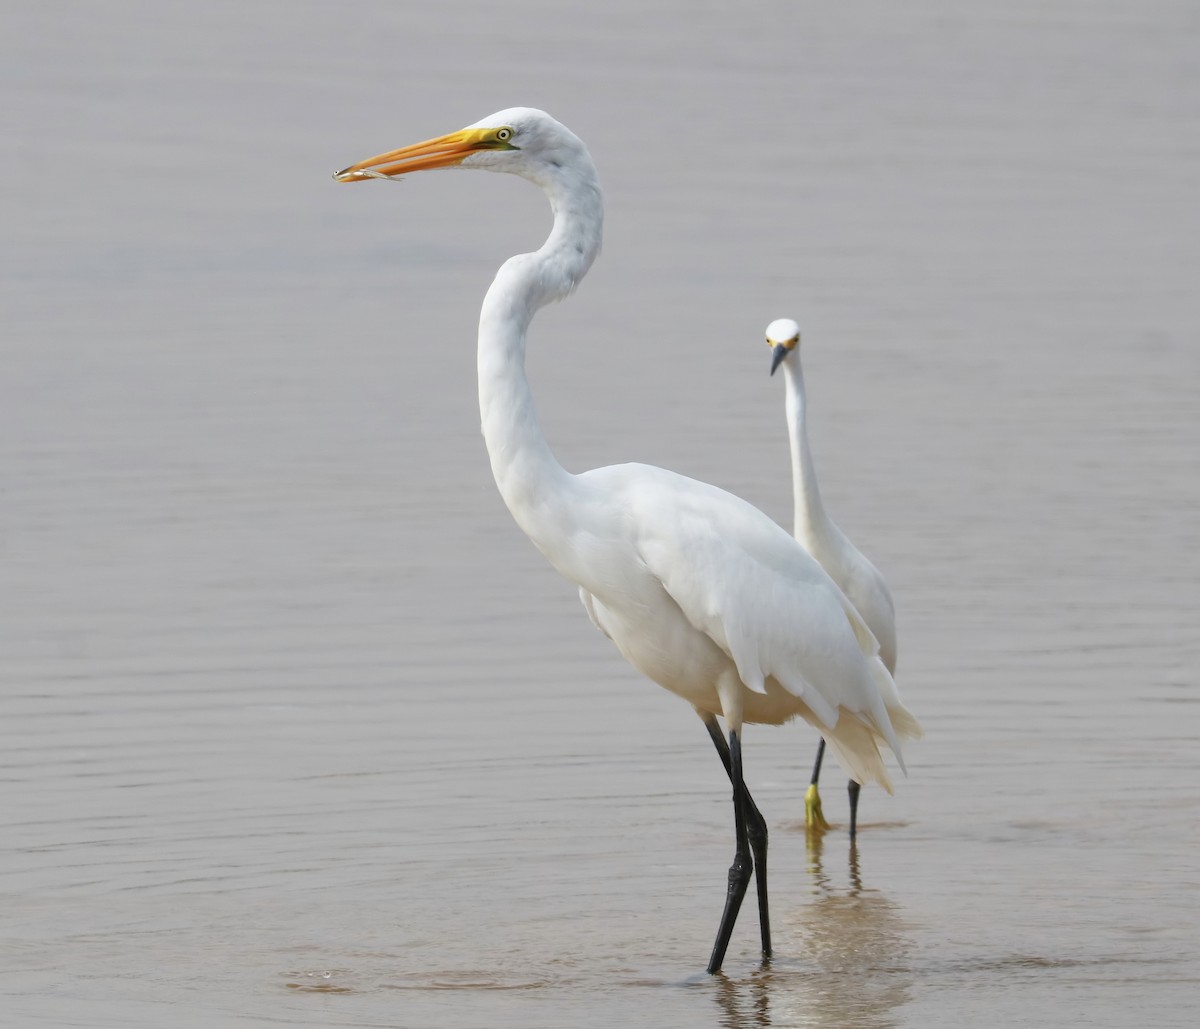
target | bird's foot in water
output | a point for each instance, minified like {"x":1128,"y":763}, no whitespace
{"x":814,"y":820}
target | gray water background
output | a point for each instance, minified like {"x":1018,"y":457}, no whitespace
{"x":296,"y":728}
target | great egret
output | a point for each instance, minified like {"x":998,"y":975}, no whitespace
{"x":699,"y":590}
{"x":860,"y":580}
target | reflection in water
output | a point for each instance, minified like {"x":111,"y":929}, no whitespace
{"x":851,"y":964}
{"x":823,"y":885}
{"x":745,"y":1003}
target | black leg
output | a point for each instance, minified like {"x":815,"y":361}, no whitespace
{"x":814,"y":819}
{"x":853,"y":788}
{"x":718,"y":738}
{"x":756,"y":831}
{"x":739,"y":871}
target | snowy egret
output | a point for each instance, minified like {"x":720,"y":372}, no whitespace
{"x":700,"y":591}
{"x":860,"y":580}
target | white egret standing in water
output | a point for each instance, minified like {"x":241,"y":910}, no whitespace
{"x":699,"y":590}
{"x":860,"y":580}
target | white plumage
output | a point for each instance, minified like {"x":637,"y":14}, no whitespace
{"x":699,"y":590}
{"x":858,"y":578}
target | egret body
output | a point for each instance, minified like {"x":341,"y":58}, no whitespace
{"x":860,"y":580}
{"x":699,"y":590}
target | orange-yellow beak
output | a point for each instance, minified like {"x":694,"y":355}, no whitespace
{"x":442,"y":152}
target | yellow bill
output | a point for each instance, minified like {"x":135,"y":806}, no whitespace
{"x":441,"y":152}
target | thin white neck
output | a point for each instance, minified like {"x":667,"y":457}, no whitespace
{"x":535,"y":487}
{"x":810,"y":519}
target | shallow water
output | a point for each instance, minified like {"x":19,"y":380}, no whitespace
{"x":296,"y":728}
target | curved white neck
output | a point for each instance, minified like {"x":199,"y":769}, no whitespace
{"x":535,"y":487}
{"x":810,"y":520}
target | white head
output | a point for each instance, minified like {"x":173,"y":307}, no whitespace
{"x":520,"y":140}
{"x":783,"y":337}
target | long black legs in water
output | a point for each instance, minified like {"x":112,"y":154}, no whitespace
{"x":751,"y":832}
{"x":813,"y":803}
{"x":817,"y":764}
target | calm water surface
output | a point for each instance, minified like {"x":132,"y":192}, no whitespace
{"x":296,"y":728}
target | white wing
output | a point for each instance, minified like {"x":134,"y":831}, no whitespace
{"x":755,"y":592}
{"x":589,"y":605}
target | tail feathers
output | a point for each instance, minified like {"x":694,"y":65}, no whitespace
{"x":891,"y":719}
{"x":855,"y":738}
{"x":904,"y":722}
{"x":856,"y":747}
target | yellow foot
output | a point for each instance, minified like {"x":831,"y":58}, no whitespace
{"x":814,"y":820}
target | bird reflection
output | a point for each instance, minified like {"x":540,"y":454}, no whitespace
{"x":816,"y":868}
{"x":847,"y":960}
{"x":745,"y":1004}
